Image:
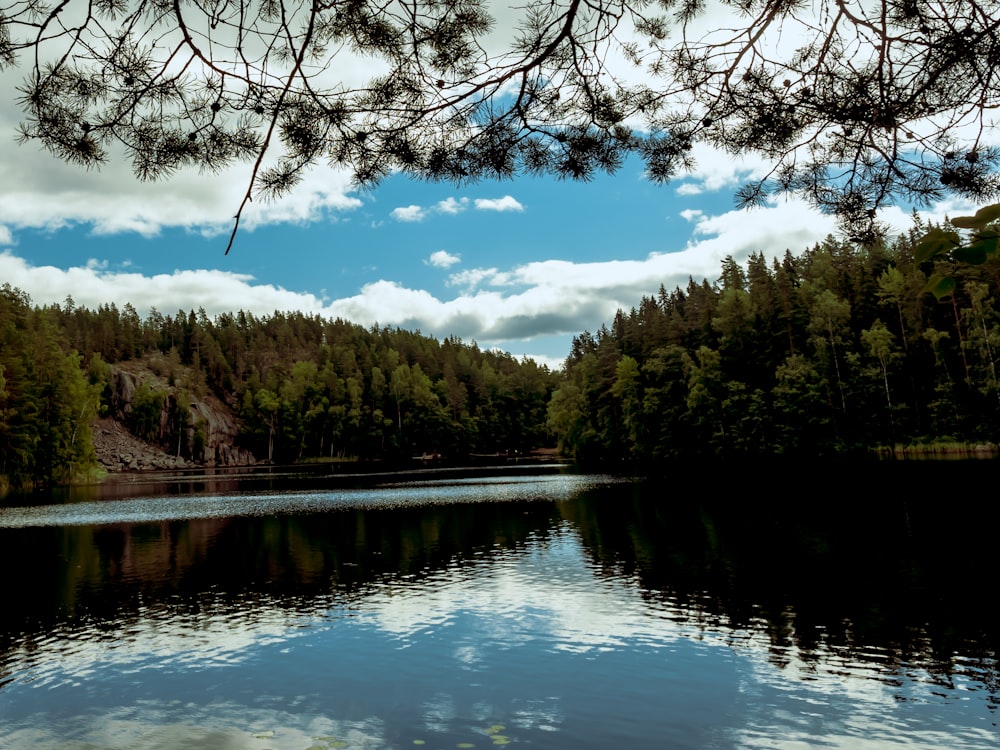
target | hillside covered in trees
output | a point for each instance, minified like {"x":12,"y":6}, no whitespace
{"x":836,"y":350}
{"x":301,"y":386}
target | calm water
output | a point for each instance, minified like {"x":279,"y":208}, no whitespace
{"x":549,"y":610}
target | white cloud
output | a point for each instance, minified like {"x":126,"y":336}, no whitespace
{"x":691,"y":214}
{"x":507,"y":203}
{"x":452,"y":206}
{"x":545,"y":301}
{"x":37,"y":190}
{"x":442,"y":259}
{"x":471,"y":278}
{"x":716,"y":170}
{"x":784,"y":224}
{"x":216,"y":291}
{"x":689,"y":188}
{"x":564,"y":297}
{"x":409,"y":213}
{"x":902,"y":221}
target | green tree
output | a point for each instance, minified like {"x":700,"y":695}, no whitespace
{"x":667,"y":420}
{"x":268,"y":405}
{"x":895,"y":289}
{"x":567,"y":417}
{"x":627,"y":389}
{"x":19,"y":425}
{"x":65,"y":403}
{"x":983,"y":334}
{"x":801,"y":417}
{"x":147,"y":411}
{"x":180,"y":424}
{"x":706,"y":396}
{"x":879,"y":343}
{"x":829,"y":317}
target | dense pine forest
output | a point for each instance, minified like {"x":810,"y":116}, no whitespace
{"x":838,"y":349}
{"x":302,"y":386}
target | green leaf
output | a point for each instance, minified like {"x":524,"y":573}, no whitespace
{"x":966,"y":222}
{"x":973,"y":254}
{"x":940,"y":286}
{"x":986,"y":244}
{"x":984,"y":216}
{"x":988,"y":214}
{"x":935,"y":242}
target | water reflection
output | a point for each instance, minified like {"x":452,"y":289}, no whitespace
{"x":570,"y":612}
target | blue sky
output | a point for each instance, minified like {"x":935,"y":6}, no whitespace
{"x":488,"y":224}
{"x":522,"y":265}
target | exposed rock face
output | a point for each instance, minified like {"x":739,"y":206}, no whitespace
{"x":221,"y":430}
{"x":119,"y":450}
{"x":217,"y":427}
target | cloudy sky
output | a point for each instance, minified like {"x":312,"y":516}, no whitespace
{"x":520,"y":265}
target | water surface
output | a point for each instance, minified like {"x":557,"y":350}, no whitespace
{"x":550,"y":610}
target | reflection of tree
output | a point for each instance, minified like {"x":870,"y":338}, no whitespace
{"x":897,"y":585}
{"x":893,"y":582}
{"x":117,"y":573}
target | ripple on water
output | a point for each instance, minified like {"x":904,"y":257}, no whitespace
{"x":406,"y":494}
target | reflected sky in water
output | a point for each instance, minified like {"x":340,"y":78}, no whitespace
{"x":513,"y":634}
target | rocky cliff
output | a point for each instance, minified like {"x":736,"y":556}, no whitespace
{"x":187,"y":427}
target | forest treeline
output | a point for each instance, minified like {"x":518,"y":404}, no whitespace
{"x":303,"y":386}
{"x":835,"y":350}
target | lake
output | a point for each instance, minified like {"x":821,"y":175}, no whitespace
{"x":833,"y":607}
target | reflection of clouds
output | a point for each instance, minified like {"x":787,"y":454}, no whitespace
{"x":515,"y":602}
{"x":547,"y":595}
{"x":862,"y":732}
{"x":830,"y":698}
{"x":539,"y":713}
{"x":152,"y":725}
{"x":545,"y":714}
{"x":547,"y":591}
{"x":159,"y":639}
{"x":438,"y":712}
{"x":469,"y":656}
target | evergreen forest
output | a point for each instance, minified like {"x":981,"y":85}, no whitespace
{"x":302,"y":386}
{"x":839,"y":349}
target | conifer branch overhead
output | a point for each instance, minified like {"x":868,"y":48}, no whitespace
{"x":856,"y":104}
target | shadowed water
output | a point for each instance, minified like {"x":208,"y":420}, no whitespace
{"x":552,"y":610}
